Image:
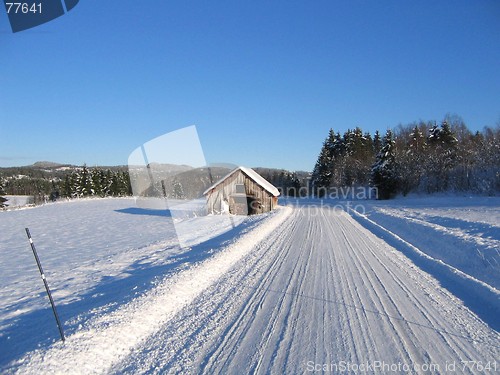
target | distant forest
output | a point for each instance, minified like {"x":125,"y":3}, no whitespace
{"x":420,"y":157}
{"x":52,"y":182}
{"x":423,"y":157}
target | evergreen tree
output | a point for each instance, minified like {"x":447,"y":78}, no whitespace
{"x":120,"y":184}
{"x":107,"y":183}
{"x":66,"y":186}
{"x":293,"y":184}
{"x":86,"y":186}
{"x":433,"y":138}
{"x":338,"y":147}
{"x":127,"y":186}
{"x":377,"y":143}
{"x":97,"y":177}
{"x":365,"y":158}
{"x":71,"y":185}
{"x":352,"y":144}
{"x":446,"y":136}
{"x":3,"y":200}
{"x":321,"y":175}
{"x":339,"y":151}
{"x":55,"y":193}
{"x":383,"y":174}
{"x":368,"y":146}
{"x":82,"y":184}
{"x":442,"y":157}
{"x":178,"y":191}
{"x":411,"y":161}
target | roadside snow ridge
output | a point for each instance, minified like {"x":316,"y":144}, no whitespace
{"x":110,"y":338}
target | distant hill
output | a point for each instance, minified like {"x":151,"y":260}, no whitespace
{"x":47,"y":164}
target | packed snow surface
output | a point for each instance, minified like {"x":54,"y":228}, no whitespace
{"x":312,"y":286}
{"x":461,"y":231}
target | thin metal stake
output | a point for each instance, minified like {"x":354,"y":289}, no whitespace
{"x":59,"y":325}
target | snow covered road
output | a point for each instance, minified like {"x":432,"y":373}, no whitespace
{"x":309,"y":290}
{"x":320,"y":293}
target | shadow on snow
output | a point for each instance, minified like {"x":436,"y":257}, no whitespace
{"x":145,"y":211}
{"x":479,"y":299}
{"x":37,"y":329}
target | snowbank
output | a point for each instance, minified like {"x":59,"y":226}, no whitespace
{"x":113,"y":268}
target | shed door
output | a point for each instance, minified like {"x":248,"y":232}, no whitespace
{"x":254,"y":206}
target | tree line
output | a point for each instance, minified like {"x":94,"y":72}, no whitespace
{"x":74,"y":182}
{"x":3,"y":200}
{"x":97,"y":182}
{"x":420,"y":157}
{"x":288,"y":183}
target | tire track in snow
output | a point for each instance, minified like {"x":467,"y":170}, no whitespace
{"x":382,"y":301}
{"x":242,"y":326}
{"x":398,"y":315}
{"x":332,"y":292}
{"x":323,"y":289}
{"x":457,"y":344}
{"x":211,"y":321}
{"x":115,"y":336}
{"x":275,"y":320}
{"x":451,"y":332}
{"x":481,"y":297}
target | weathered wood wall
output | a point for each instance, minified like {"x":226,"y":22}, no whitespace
{"x":260,"y":200}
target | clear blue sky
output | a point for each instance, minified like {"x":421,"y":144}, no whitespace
{"x":263,"y":81}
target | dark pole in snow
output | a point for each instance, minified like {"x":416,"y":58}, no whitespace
{"x":46,"y":284}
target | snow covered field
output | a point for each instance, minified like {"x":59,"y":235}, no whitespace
{"x":286,"y":292}
{"x":15,"y":201}
{"x":97,"y":254}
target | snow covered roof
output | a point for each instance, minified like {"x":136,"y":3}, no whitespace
{"x":257,"y":178}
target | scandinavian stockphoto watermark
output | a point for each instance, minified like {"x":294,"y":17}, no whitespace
{"x":331,"y":193}
{"x":322,"y":207}
{"x":377,"y":366}
{"x":328,"y":201}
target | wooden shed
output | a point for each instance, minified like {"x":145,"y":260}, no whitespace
{"x":241,"y":192}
